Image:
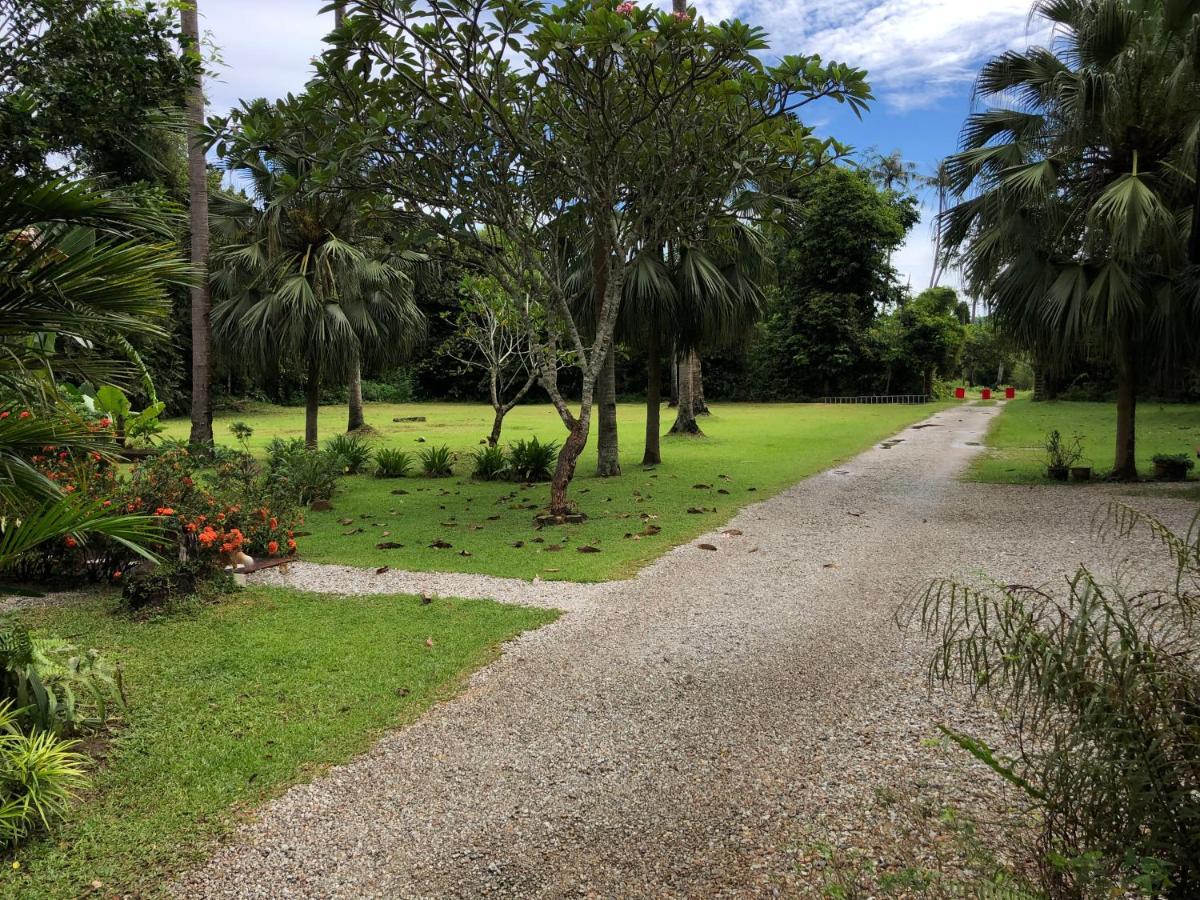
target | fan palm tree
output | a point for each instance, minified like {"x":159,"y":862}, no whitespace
{"x":311,"y":274}
{"x":1077,"y":187}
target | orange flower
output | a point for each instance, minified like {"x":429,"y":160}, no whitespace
{"x":273,"y":547}
{"x":116,"y":575}
{"x":291,"y":545}
{"x":191,"y":527}
{"x":274,"y":523}
{"x":72,"y":543}
{"x":25,"y":414}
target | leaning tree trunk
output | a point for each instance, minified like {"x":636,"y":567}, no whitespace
{"x":356,"y":420}
{"x":201,"y":299}
{"x":698,"y":404}
{"x":652,"y":455}
{"x":568,"y":458}
{"x":312,"y":404}
{"x":608,"y":454}
{"x":685,"y":417}
{"x":497,"y":424}
{"x":1125,"y":465}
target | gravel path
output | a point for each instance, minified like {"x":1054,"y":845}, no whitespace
{"x":692,"y":731}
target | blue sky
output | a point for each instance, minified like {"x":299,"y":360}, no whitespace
{"x":922,"y":56}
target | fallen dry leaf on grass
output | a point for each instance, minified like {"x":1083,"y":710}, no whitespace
{"x":388,"y":545}
{"x":439,"y":544}
{"x":428,"y":642}
{"x":588,"y":548}
{"x":382,"y":569}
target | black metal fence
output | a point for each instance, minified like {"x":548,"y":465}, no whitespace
{"x":880,"y":398}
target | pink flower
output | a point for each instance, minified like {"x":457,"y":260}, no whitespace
{"x":25,"y":415}
{"x":105,"y":422}
{"x":625,"y":8}
{"x":682,"y":16}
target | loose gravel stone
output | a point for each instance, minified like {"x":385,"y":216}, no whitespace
{"x":692,"y":731}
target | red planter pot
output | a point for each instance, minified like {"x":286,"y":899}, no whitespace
{"x":985,"y":394}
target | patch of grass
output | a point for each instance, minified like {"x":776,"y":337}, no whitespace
{"x":1015,"y":442}
{"x":751,"y":452}
{"x":230,"y":704}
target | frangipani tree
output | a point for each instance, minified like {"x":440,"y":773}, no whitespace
{"x":1078,"y":191}
{"x":484,"y":116}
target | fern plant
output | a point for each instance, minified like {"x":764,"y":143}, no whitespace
{"x":392,"y":463}
{"x":491,"y":463}
{"x":40,"y":773}
{"x":55,"y":686}
{"x":437,"y":462}
{"x":531,"y":460}
{"x":1100,"y":684}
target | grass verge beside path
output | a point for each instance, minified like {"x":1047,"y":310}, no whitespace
{"x":231,"y":703}
{"x":1015,"y":442}
{"x":750,"y":452}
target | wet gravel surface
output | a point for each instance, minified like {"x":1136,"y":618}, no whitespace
{"x":694,"y":731}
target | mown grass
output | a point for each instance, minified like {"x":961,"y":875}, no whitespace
{"x":1016,"y":440}
{"x":232,"y":702}
{"x":749,"y":453}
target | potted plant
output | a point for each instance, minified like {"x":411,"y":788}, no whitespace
{"x":1081,"y":473}
{"x":1172,"y":467}
{"x":1062,"y":454}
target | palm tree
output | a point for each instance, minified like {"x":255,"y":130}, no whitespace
{"x":940,"y":183}
{"x":311,"y":274}
{"x":202,"y":432}
{"x":1077,"y":190}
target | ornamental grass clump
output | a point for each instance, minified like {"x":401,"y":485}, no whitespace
{"x":1098,"y":686}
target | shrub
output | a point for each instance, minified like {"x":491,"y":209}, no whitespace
{"x":392,"y":463}
{"x":491,"y":463}
{"x":437,"y":462}
{"x":55,"y":687}
{"x":145,"y":586}
{"x":531,"y":461}
{"x":39,"y":775}
{"x":242,"y":434}
{"x":1061,"y":453}
{"x":303,"y":475}
{"x":352,"y":452}
{"x":1098,"y":684}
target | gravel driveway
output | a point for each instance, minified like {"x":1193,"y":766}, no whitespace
{"x":693,"y":731}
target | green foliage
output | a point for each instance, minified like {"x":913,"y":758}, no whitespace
{"x":242,"y":434}
{"x":300,"y":474}
{"x":1183,"y":460}
{"x":171,"y":583}
{"x":532,"y":461}
{"x":437,"y":462}
{"x":491,"y":464}
{"x":392,"y":463}
{"x":56,"y":687}
{"x":140,"y":428}
{"x":39,"y":776}
{"x":1098,"y":684}
{"x":931,"y":334}
{"x":1062,"y":453}
{"x":352,"y":451}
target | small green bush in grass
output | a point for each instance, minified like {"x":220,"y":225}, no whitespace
{"x":531,"y":460}
{"x":437,"y":462}
{"x":352,"y":452}
{"x":39,"y":775}
{"x":491,"y":464}
{"x":301,"y":474}
{"x":392,"y":463}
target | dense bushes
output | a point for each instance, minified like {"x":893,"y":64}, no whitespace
{"x":437,"y":462}
{"x":1100,"y":688}
{"x":392,"y":463}
{"x":352,"y":452}
{"x":531,"y":460}
{"x":491,"y":463}
{"x":301,"y":474}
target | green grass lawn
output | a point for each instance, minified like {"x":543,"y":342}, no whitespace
{"x":1015,"y":442}
{"x":229,"y":704}
{"x":751,"y":452}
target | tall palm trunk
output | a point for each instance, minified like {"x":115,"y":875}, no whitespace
{"x":674,"y":401}
{"x":608,"y":460}
{"x":356,"y":419}
{"x":685,"y":417}
{"x":699,"y":407}
{"x":201,"y":299}
{"x":312,"y":403}
{"x":1125,"y":466}
{"x":652,"y":455}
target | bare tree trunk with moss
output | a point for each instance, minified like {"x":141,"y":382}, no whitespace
{"x":608,"y":454}
{"x":201,"y":299}
{"x":652,"y":454}
{"x":1125,"y":465}
{"x":685,"y":417}
{"x":312,"y":403}
{"x":356,"y":419}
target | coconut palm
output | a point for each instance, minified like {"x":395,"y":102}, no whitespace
{"x":1076,"y":190}
{"x":311,"y":274}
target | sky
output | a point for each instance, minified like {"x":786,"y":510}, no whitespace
{"x":921,"y":56}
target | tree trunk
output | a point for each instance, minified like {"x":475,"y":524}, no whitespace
{"x":1125,"y":466}
{"x":497,"y":424}
{"x":674,"y":401}
{"x":927,"y":381}
{"x":608,"y":454}
{"x":698,"y":404}
{"x":312,"y":404}
{"x":201,"y":300}
{"x":685,"y":417}
{"x":568,"y":457}
{"x":356,"y":420}
{"x":652,"y":455}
